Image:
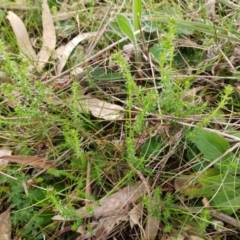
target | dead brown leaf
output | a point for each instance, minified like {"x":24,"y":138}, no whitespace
{"x":67,"y":12}
{"x":29,"y":160}
{"x":78,"y":72}
{"x":4,"y":78}
{"x":5,"y":225}
{"x":49,"y":36}
{"x":194,"y":237}
{"x":235,"y":57}
{"x":178,"y":237}
{"x":58,"y":52}
{"x":183,"y":181}
{"x":106,"y":225}
{"x":135,"y":214}
{"x":98,"y":108}
{"x":118,"y":202}
{"x":4,"y":152}
{"x":210,"y":7}
{"x":101,"y":109}
{"x":184,"y":234}
{"x":191,"y":96}
{"x":230,"y":64}
{"x":64,"y":6}
{"x":113,"y":205}
{"x":102,"y":228}
{"x":152,"y":227}
{"x":21,"y":2}
{"x":22,"y":37}
{"x":62,"y":16}
{"x":186,"y":43}
{"x":69,"y":48}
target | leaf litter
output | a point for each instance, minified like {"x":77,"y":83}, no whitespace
{"x":113,"y":209}
{"x":5,"y":225}
{"x":6,"y":157}
{"x":115,"y":204}
{"x":125,"y":204}
{"x":66,"y":51}
{"x":22,"y":37}
{"x":49,"y":37}
{"x":101,"y":109}
{"x":23,"y":40}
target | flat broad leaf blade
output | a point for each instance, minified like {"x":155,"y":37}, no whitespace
{"x":126,"y":27}
{"x":116,"y":29}
{"x":109,"y":77}
{"x":211,"y":144}
{"x":227,"y":201}
{"x":152,"y":146}
{"x":199,"y":187}
{"x":223,"y":190}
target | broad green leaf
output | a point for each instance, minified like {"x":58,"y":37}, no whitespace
{"x":220,"y":32}
{"x":152,"y":146}
{"x":196,"y":188}
{"x":211,"y":144}
{"x":184,"y":30}
{"x":109,"y":77}
{"x":98,"y":71}
{"x":149,"y":27}
{"x":194,"y":56}
{"x":65,"y":28}
{"x":126,"y":27}
{"x":191,"y":152}
{"x":222,"y":190}
{"x":157,"y":50}
{"x":220,"y":184}
{"x":226,"y":192}
{"x":227,"y":201}
{"x":116,"y":29}
{"x":46,"y":217}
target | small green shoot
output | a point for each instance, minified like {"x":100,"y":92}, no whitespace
{"x":129,"y":29}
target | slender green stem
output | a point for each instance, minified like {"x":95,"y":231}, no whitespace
{"x":137,"y":8}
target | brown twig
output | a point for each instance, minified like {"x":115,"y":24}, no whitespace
{"x":225,"y":218}
{"x":88,"y":182}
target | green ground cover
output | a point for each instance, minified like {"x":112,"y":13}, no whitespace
{"x":119,"y":120}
